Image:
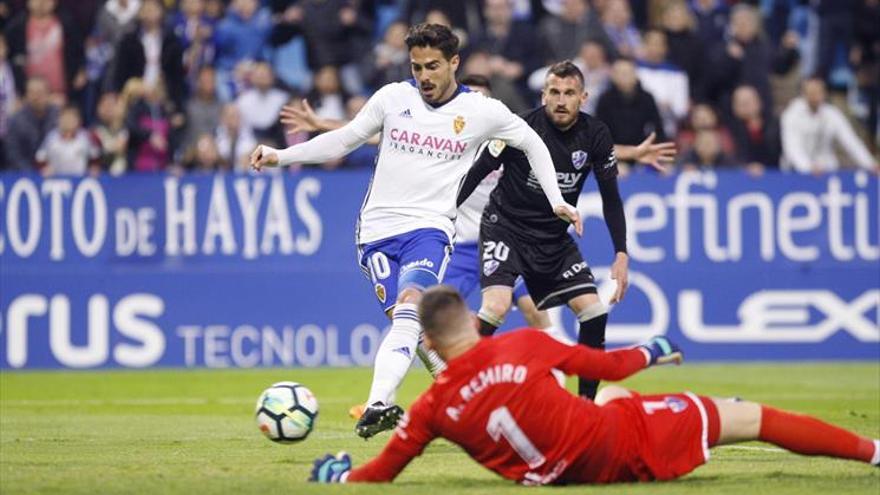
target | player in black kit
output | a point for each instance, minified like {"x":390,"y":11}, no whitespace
{"x":520,"y":234}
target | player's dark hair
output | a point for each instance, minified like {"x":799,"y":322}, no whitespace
{"x":476,"y":80}
{"x":566,"y":68}
{"x":440,"y":304}
{"x":433,"y":36}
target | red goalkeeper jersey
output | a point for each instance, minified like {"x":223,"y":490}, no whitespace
{"x":501,"y":404}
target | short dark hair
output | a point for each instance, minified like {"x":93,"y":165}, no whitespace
{"x":476,"y":80}
{"x":433,"y":36}
{"x":439,"y":305}
{"x":566,"y":68}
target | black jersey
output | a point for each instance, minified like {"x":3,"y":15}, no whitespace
{"x":518,"y":200}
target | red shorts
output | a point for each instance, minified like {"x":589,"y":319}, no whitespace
{"x":674,"y":432}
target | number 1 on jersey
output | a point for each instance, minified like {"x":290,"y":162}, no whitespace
{"x":502,"y":424}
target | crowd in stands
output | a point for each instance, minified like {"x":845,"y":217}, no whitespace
{"x":119,"y":86}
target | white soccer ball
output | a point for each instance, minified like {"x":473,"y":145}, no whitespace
{"x":286,"y":412}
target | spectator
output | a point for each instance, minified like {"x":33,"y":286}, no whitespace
{"x":389,"y":60}
{"x":629,"y":111}
{"x":437,"y":16}
{"x":510,"y":44}
{"x":111,"y":134}
{"x":749,"y":59}
{"x":865,"y":56}
{"x":46,"y":45}
{"x":756,"y":137}
{"x":593,"y":62}
{"x":479,"y":62}
{"x":234,"y":140}
{"x":326,"y":96}
{"x":149,"y":123}
{"x":576,"y":24}
{"x":365,"y":155}
{"x":241,"y":39}
{"x":68,"y":149}
{"x":117,"y":18}
{"x":711,"y":18}
{"x":811,"y":127}
{"x":30,"y":126}
{"x":203,"y":109}
{"x":462,"y":14}
{"x":706,"y":153}
{"x":260,"y":106}
{"x":666,"y":82}
{"x":151,"y":53}
{"x":704,"y":118}
{"x":196,"y":33}
{"x":685,"y":47}
{"x":204,"y":157}
{"x":617,"y":21}
{"x":336,"y":33}
{"x":8,"y":100}
{"x":836,"y":29}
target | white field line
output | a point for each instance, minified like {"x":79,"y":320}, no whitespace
{"x":748,"y":447}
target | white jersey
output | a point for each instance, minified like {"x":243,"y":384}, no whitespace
{"x":424,"y":154}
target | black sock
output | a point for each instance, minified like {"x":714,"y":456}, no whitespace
{"x":486,"y":328}
{"x":591,"y":334}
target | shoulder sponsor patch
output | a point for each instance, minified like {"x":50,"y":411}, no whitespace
{"x":496,"y":146}
{"x":380,"y":293}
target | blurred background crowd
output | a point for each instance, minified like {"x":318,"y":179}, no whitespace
{"x":119,"y":86}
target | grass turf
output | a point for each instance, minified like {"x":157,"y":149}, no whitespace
{"x":174,"y":431}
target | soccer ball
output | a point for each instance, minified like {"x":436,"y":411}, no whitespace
{"x":286,"y":412}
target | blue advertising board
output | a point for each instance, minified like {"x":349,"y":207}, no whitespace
{"x":248,"y":271}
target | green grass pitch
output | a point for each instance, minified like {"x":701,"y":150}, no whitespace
{"x":175,"y":431}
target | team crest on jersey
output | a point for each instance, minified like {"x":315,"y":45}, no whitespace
{"x":578,"y":159}
{"x":490,"y":266}
{"x":458,"y":124}
{"x":380,"y":293}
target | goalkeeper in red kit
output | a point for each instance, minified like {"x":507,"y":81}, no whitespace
{"x":498,"y":400}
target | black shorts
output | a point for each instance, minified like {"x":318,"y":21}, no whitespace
{"x":554,"y":272}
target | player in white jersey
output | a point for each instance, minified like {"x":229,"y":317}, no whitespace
{"x":431,"y":130}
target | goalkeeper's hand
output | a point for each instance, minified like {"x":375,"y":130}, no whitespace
{"x":330,"y":469}
{"x":662,"y":351}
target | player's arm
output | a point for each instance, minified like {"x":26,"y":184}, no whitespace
{"x":489,"y":160}
{"x":605,"y":171}
{"x":303,"y":118}
{"x":657,"y":155}
{"x":330,"y":145}
{"x":514,"y":131}
{"x":412,"y":435}
{"x":613,"y":365}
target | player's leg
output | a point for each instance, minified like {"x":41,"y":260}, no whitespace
{"x":559,"y":275}
{"x":463,"y":271}
{"x":745,"y":421}
{"x":422,"y":257}
{"x":500,"y":266}
{"x":592,"y":318}
{"x":493,"y":308}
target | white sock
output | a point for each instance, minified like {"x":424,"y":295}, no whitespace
{"x":559,"y":334}
{"x":875,"y":460}
{"x":432,"y":361}
{"x":395,"y":354}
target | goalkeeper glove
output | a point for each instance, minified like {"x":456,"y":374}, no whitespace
{"x":330,"y":469}
{"x":662,"y":351}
